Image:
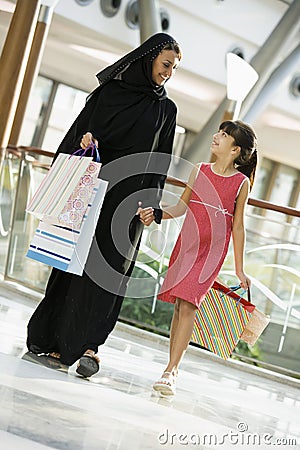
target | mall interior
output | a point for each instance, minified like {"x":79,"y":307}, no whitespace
{"x":51,"y":51}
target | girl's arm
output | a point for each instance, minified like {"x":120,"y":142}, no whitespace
{"x":238,"y":234}
{"x":175,"y":210}
{"x":180,"y":208}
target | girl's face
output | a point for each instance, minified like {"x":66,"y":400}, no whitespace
{"x":164,"y":66}
{"x":223,"y":143}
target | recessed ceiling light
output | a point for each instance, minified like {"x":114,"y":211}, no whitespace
{"x":294,"y":86}
{"x":110,"y":7}
{"x":84,"y":2}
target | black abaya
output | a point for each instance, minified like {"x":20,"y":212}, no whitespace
{"x":135,"y":128}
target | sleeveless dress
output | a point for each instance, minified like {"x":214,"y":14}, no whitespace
{"x":203,"y":242}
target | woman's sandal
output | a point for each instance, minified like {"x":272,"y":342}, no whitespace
{"x":166,"y":385}
{"x":54,"y":355}
{"x":53,"y":361}
{"x":88,"y":365}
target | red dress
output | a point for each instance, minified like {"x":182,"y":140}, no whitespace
{"x":203,"y":242}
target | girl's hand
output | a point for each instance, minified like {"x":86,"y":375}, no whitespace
{"x":88,"y":139}
{"x":146,"y":215}
{"x":245,"y":281}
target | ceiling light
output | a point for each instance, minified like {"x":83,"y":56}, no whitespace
{"x":84,"y":2}
{"x":110,"y":7}
{"x":294,"y":86}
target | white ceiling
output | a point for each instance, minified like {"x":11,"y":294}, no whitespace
{"x":82,"y":40}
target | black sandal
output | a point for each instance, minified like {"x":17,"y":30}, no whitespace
{"x":46,"y":360}
{"x":88,"y":364}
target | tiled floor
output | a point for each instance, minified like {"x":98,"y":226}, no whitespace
{"x":218,"y":405}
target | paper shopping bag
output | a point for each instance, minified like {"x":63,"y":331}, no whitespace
{"x":254,"y":328}
{"x":57,"y":186}
{"x":221,"y":320}
{"x":65,"y":248}
{"x":76,"y":206}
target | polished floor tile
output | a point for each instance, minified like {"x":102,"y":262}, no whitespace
{"x":218,"y":405}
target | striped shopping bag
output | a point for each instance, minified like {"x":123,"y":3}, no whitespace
{"x":65,"y":248}
{"x":64,"y":194}
{"x":57,"y":186}
{"x":221,"y":319}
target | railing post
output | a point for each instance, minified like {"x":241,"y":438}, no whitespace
{"x":36,"y":52}
{"x":14,"y":212}
{"x":13,"y":62}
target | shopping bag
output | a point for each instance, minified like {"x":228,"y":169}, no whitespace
{"x":63,"y":185}
{"x":221,"y":320}
{"x":65,"y":248}
{"x":256,"y":325}
{"x":76,"y":206}
{"x":254,"y":328}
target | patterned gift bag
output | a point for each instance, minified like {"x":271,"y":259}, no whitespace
{"x":221,"y":320}
{"x":57,"y":186}
{"x":76,"y":206}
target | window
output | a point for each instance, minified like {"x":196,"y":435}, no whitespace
{"x":35,"y":111}
{"x":67,"y":103}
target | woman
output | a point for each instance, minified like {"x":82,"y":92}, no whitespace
{"x":215,"y":196}
{"x":132,"y":121}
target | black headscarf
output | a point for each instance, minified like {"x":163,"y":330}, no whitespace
{"x":128,"y":109}
{"x":143,"y":56}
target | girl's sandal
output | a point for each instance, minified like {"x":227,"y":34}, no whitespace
{"x":88,"y":365}
{"x":166,"y":384}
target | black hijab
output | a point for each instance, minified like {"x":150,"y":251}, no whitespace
{"x":129,"y":109}
{"x":140,"y":73}
{"x":126,"y":111}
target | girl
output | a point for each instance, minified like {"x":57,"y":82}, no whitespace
{"x":131,"y":118}
{"x":215,"y":196}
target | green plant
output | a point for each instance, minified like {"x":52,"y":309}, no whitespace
{"x":245,"y":349}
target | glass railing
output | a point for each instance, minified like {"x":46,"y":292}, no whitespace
{"x":272,"y":261}
{"x":22,"y":171}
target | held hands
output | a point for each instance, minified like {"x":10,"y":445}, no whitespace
{"x":245,"y":281}
{"x":146,"y":214}
{"x":88,"y":139}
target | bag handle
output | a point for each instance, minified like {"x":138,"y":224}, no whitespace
{"x":227,"y":290}
{"x":237,"y":287}
{"x":95,"y":152}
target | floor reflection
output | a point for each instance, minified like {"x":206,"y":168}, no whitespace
{"x":42,"y":407}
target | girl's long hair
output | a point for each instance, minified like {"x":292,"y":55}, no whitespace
{"x":244,"y":136}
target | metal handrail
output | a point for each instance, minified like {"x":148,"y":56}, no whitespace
{"x":251,"y":201}
{"x":263,"y":204}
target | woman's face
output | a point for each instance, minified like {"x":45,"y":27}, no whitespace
{"x":164,"y":66}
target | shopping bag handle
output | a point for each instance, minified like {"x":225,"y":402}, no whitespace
{"x":237,"y":287}
{"x":93,"y":147}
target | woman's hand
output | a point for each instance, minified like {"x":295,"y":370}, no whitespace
{"x":146,"y":215}
{"x":88,"y":139}
{"x":245,"y":281}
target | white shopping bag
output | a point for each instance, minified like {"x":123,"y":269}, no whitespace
{"x":65,"y":248}
{"x":57,"y":186}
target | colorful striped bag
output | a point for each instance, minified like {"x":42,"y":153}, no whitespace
{"x":221,"y":320}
